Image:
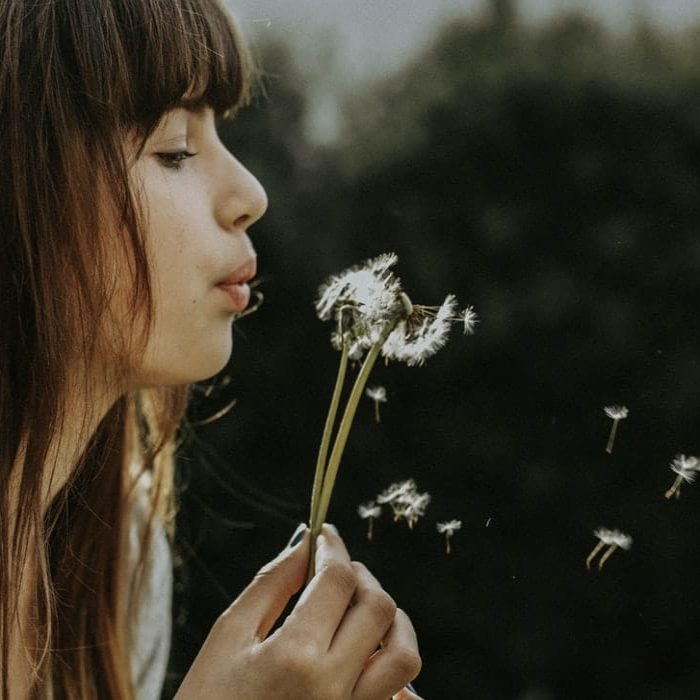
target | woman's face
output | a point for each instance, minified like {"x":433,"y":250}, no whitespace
{"x":199,"y":202}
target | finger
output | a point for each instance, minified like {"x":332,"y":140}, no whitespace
{"x":325,"y":600}
{"x":365,"y":624}
{"x":330,"y":548}
{"x":257,"y":608}
{"x":394,"y":665}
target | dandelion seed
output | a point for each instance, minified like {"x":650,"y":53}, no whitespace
{"x":378,"y":395}
{"x":405,"y":501}
{"x":415,"y":508}
{"x":369,"y":511}
{"x":617,"y":413}
{"x":410,"y":507}
{"x":469,"y":319}
{"x":449,"y":528}
{"x":396,"y":491}
{"x":613,"y":539}
{"x":687,"y":469}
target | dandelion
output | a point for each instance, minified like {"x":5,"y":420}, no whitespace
{"x":378,"y":395}
{"x":687,"y":469}
{"x":370,"y":308}
{"x":449,"y":528}
{"x":373,"y":316}
{"x":613,"y":539}
{"x":617,"y":413}
{"x":369,"y":511}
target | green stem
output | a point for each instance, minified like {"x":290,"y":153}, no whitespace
{"x":325,"y":444}
{"x":343,"y":432}
{"x":331,"y":471}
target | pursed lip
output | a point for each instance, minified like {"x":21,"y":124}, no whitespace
{"x":242,"y":274}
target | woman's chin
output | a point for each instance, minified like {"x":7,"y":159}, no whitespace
{"x":209,"y":364}
{"x":175,"y":370}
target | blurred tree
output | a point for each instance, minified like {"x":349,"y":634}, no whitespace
{"x":504,"y":13}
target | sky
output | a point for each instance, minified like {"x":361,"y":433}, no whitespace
{"x":371,"y":34}
{"x":362,"y":39}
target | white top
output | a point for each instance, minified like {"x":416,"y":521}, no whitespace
{"x":150,"y":628}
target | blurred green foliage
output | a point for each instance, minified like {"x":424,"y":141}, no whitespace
{"x":550,"y":176}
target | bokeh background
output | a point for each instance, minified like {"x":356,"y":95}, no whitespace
{"x":541,"y":160}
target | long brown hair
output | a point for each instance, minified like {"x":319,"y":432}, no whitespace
{"x":76,"y":78}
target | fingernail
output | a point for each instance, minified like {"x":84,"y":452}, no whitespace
{"x":298,"y":535}
{"x":410,"y":687}
{"x":334,"y":528}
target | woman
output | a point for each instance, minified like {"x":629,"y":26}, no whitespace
{"x":124,"y":260}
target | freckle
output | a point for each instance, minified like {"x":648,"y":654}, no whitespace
{"x":194,"y":301}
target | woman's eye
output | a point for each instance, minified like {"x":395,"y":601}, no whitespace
{"x":175,"y":159}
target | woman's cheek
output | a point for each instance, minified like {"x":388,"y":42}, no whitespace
{"x":191,"y":339}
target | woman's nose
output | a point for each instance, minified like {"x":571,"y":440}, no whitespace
{"x":244,"y":199}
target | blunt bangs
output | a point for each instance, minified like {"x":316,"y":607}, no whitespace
{"x":128,"y":62}
{"x":179,"y":53}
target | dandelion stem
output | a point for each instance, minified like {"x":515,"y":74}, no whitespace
{"x":606,"y":556}
{"x":591,"y":556}
{"x":675,"y":490}
{"x":376,"y":411}
{"x":611,"y":439}
{"x":370,"y":529}
{"x":327,"y":430}
{"x":341,"y":438}
{"x":325,"y":444}
{"x":448,"y":548}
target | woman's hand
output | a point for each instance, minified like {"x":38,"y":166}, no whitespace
{"x":344,"y":639}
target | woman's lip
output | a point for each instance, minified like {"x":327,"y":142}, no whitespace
{"x":238,"y":294}
{"x":243,"y":273}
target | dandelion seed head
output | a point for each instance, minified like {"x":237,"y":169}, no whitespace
{"x":469,"y":320}
{"x":368,"y":292}
{"x":368,"y":301}
{"x":449,"y":527}
{"x":369,"y":510}
{"x":616,"y":412}
{"x":422,"y":334}
{"x":616,"y":537}
{"x":376,"y":393}
{"x":686,"y":467}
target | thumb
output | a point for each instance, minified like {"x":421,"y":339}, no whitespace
{"x":266,"y":596}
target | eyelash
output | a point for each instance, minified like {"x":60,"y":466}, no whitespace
{"x":174,"y":160}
